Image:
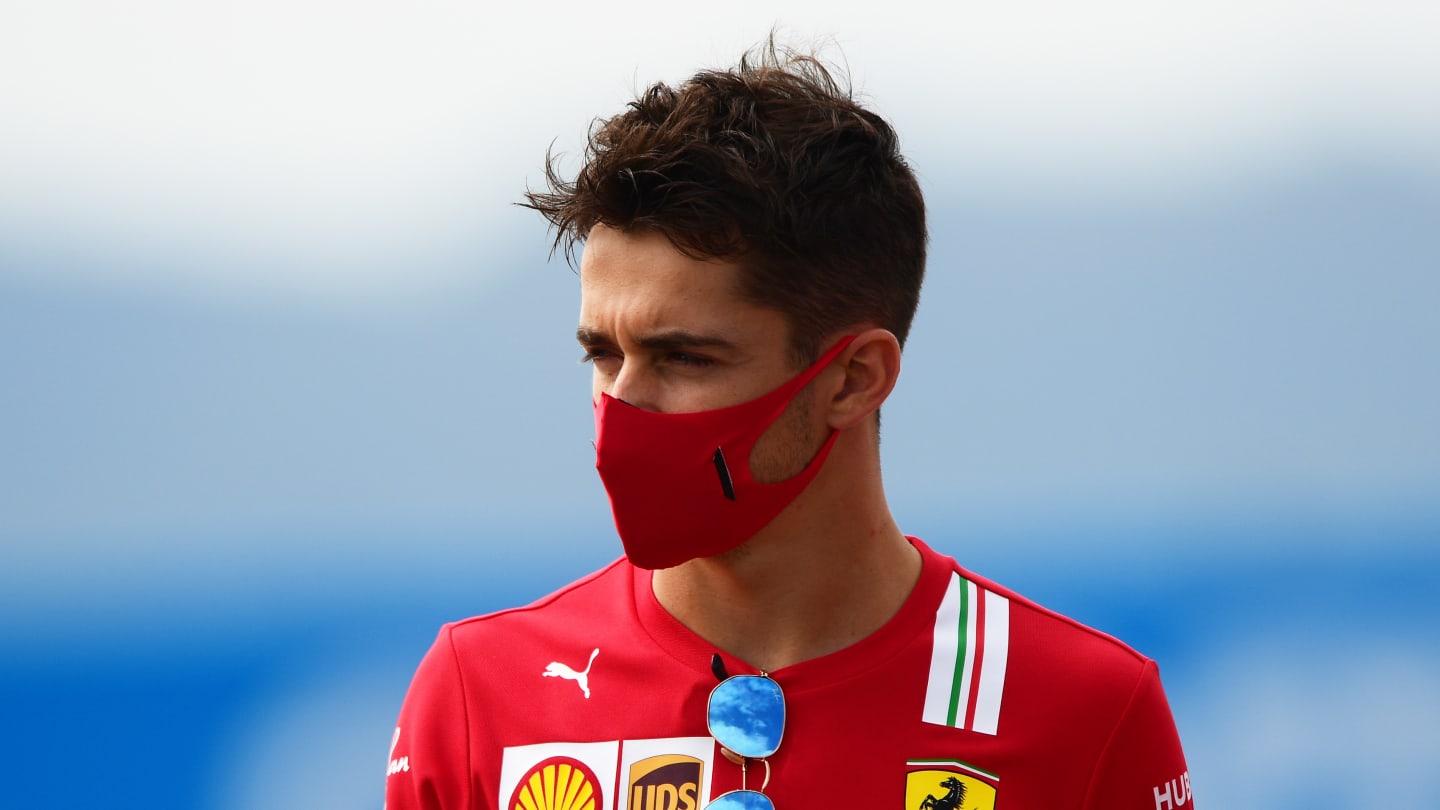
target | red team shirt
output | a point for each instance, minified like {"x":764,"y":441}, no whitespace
{"x":969,"y":698}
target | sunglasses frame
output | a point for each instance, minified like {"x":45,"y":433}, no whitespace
{"x":736,"y":689}
{"x":743,"y":799}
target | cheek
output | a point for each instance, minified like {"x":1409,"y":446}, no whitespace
{"x":788,"y":445}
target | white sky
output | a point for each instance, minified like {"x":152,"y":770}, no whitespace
{"x":317,"y":145}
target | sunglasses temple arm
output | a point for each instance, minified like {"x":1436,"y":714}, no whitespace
{"x":717,"y":666}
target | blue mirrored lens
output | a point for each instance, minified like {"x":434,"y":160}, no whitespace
{"x":741,"y":800}
{"x":747,"y":716}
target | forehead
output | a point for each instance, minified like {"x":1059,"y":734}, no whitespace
{"x":638,"y":280}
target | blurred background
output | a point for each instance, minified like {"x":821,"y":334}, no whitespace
{"x":286,"y":381}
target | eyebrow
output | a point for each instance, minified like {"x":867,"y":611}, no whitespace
{"x":669,"y":339}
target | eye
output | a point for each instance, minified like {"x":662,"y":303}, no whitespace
{"x":689,"y":360}
{"x":595,"y":354}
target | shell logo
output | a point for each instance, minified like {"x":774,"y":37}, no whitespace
{"x":558,"y":783}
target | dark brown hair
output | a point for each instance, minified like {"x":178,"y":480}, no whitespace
{"x":771,"y":164}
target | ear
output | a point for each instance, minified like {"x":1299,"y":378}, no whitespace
{"x":872,"y":365}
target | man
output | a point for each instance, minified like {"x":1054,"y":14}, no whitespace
{"x":753,"y":252}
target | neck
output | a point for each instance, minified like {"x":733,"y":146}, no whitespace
{"x":826,"y":573}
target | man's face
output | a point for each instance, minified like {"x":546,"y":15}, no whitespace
{"x":669,"y":333}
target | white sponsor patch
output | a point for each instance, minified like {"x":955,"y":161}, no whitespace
{"x":518,"y":764}
{"x":633,"y":752}
{"x":612,"y":763}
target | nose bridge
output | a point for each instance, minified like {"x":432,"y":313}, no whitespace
{"x":633,"y":386}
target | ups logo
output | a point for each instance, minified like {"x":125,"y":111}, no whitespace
{"x":947,"y":790}
{"x":668,"y":782}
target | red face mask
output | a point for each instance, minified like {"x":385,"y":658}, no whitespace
{"x":679,"y":483}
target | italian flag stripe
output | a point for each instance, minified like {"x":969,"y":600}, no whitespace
{"x":953,"y":763}
{"x":941,"y":685}
{"x":992,"y":671}
{"x":960,"y":700}
{"x":967,"y":658}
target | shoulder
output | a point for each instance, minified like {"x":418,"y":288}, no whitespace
{"x":1061,"y":640}
{"x":465,"y":696}
{"x":583,"y":607}
{"x":473,"y":659}
{"x":1060,"y":663}
{"x":1079,"y":699}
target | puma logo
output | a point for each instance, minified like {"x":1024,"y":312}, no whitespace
{"x":555,"y":669}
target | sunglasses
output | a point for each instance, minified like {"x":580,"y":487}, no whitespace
{"x":746,"y":715}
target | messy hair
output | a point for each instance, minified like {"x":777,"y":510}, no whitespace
{"x":772,"y":165}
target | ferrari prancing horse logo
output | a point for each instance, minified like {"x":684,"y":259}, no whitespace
{"x":947,"y":790}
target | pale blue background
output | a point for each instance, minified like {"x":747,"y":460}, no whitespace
{"x":286,"y":382}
